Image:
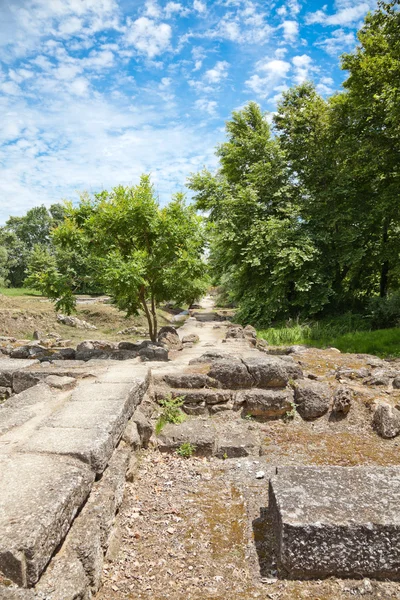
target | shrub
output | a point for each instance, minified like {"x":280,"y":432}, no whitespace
{"x":171,"y":412}
{"x":186,"y":450}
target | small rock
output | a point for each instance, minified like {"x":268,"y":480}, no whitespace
{"x":260,"y":474}
{"x":386,"y":421}
{"x":342,"y":400}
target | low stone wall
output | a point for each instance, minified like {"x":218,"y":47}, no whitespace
{"x":65,"y":448}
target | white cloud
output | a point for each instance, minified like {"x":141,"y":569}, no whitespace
{"x":205,"y":105}
{"x":175,"y":8}
{"x":290,"y":30}
{"x":349,"y":15}
{"x":245,"y":25}
{"x":303,"y":66}
{"x":199,"y":6}
{"x":152,"y":9}
{"x":220,"y":71}
{"x":272,"y":72}
{"x":148,"y":37}
{"x":338,"y":42}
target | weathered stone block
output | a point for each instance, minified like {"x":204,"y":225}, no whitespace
{"x":267,"y":372}
{"x":23,"y":380}
{"x":337,"y":521}
{"x":144,"y":426}
{"x":237,"y":442}
{"x":190,"y":380}
{"x":270,"y":404}
{"x":231,"y":374}
{"x":195,"y":431}
{"x":65,"y":579}
{"x":60,"y":382}
{"x":40,"y":496}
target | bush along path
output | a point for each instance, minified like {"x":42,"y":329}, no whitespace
{"x":174,"y":479}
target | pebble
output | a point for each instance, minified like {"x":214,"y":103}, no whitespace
{"x":260,"y":474}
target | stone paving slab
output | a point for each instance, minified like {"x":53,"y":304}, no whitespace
{"x":337,"y":521}
{"x":40,"y":496}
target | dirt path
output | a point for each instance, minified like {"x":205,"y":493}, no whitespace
{"x":191,"y":528}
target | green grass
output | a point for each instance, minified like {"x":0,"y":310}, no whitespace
{"x":12,"y":292}
{"x":348,"y":333}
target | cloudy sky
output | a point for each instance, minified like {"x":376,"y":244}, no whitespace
{"x":95,"y":92}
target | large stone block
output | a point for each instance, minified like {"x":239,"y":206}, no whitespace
{"x":92,"y":446}
{"x":197,"y":432}
{"x":231,"y":374}
{"x":337,"y":521}
{"x":267,"y":372}
{"x":39,"y":498}
{"x":269,"y":404}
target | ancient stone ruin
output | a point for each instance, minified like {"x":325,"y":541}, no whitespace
{"x":303,"y":442}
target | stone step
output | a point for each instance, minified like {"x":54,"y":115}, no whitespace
{"x":337,"y":521}
{"x":40,"y":496}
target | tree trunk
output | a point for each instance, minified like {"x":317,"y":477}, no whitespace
{"x":153,"y":334}
{"x":383,"y":286}
{"x":154,"y":313}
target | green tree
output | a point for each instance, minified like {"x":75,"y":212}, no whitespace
{"x":259,"y":248}
{"x":143,"y":254}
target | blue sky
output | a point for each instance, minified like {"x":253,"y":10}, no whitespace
{"x":95,"y":92}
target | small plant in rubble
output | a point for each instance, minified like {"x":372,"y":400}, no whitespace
{"x":171,"y":412}
{"x":290,"y":414}
{"x":186,"y":450}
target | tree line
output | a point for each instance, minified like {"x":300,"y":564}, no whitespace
{"x":304,"y":213}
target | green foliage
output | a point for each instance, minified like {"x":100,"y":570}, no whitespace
{"x":171,"y":412}
{"x":290,"y":414}
{"x":384,"y":312}
{"x":307,"y":223}
{"x":186,"y":450}
{"x":143,"y":254}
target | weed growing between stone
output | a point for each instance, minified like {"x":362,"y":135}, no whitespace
{"x":186,"y":450}
{"x":171,"y":412}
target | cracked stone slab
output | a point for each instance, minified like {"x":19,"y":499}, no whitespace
{"x":8,"y":366}
{"x":337,"y":521}
{"x":39,"y":498}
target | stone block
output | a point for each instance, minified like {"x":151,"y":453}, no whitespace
{"x":131,"y":435}
{"x":237,"y":442}
{"x":190,"y":380}
{"x":40,"y":496}
{"x":386,"y":421}
{"x":232,"y":375}
{"x":198,"y":432}
{"x":61,"y":382}
{"x":65,"y":579}
{"x":267,"y":372}
{"x":337,"y":521}
{"x":269,"y":404}
{"x":92,"y":446}
{"x":8,"y":593}
{"x":144,"y":426}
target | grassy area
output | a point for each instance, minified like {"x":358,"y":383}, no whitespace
{"x":14,"y":292}
{"x":348,"y":333}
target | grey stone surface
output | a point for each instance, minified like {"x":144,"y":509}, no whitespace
{"x":8,"y":366}
{"x":40,"y":497}
{"x":23,"y":380}
{"x":386,"y":421}
{"x":8,"y":593}
{"x":216,"y":396}
{"x":92,"y":446}
{"x":267,"y":372}
{"x":337,"y":521}
{"x":153,"y":352}
{"x":65,"y":579}
{"x":213,"y":356}
{"x":190,"y":380}
{"x":237,"y":441}
{"x":40,"y":393}
{"x":231,"y":374}
{"x":198,"y":432}
{"x":131,"y":435}
{"x":270,"y":404}
{"x":61,"y":382}
{"x":312,"y":398}
{"x":10,"y":417}
{"x":144,"y":426}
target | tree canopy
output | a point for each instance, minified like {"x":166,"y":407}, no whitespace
{"x":143,"y":254}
